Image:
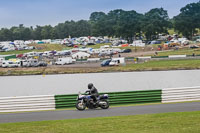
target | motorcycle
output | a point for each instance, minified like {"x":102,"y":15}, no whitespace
{"x":84,"y":101}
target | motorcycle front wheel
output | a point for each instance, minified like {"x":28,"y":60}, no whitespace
{"x":80,"y":106}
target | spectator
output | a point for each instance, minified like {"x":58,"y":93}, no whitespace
{"x":156,"y":53}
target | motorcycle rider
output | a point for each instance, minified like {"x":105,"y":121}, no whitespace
{"x":93,"y":92}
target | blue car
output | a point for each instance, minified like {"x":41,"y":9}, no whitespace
{"x":106,"y":62}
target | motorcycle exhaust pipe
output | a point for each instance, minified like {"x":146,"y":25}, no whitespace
{"x":102,"y":103}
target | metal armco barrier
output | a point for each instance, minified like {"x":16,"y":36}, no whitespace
{"x":180,"y":94}
{"x":177,"y":56}
{"x":147,"y":96}
{"x":27,"y":103}
{"x":51,"y":102}
{"x":115,"y":98}
{"x":65,"y":101}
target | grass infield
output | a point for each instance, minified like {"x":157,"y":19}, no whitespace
{"x":183,"y":122}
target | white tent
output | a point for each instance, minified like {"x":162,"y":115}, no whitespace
{"x":80,"y":55}
{"x":138,"y":43}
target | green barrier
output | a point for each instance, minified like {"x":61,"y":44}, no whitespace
{"x":159,"y":56}
{"x":115,"y":98}
{"x":65,"y":101}
{"x":192,"y":55}
{"x":81,"y":59}
{"x":102,"y":59}
{"x":10,"y":57}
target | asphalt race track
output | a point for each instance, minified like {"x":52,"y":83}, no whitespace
{"x":113,"y":111}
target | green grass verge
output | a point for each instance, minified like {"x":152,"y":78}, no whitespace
{"x":184,"y":122}
{"x":164,"y":65}
{"x":179,"y":52}
{"x":15,"y":52}
{"x":146,"y":66}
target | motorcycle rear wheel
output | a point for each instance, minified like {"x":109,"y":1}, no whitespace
{"x":80,"y":106}
{"x":106,"y":106}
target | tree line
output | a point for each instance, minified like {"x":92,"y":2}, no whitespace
{"x":116,"y":23}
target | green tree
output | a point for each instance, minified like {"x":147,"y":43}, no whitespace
{"x":60,"y":30}
{"x":155,"y":21}
{"x":118,"y":23}
{"x":188,"y":20}
{"x":98,"y":24}
{"x":46,"y":32}
{"x":112,"y":22}
{"x":16,"y":33}
{"x":26,"y":34}
{"x":82,"y":28}
{"x":53,"y":34}
{"x":37,"y":32}
{"x":128,"y":24}
{"x":5,"y":35}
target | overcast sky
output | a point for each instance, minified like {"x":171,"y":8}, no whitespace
{"x":44,"y":12}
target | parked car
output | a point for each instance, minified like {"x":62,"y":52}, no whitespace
{"x":70,"y":45}
{"x":8,"y":63}
{"x":47,"y":53}
{"x":126,"y":51}
{"x":35,"y":63}
{"x":106,"y":62}
{"x":194,"y":46}
{"x":90,"y":43}
{"x":41,"y":63}
{"x":62,"y":53}
{"x":154,"y":42}
{"x":75,"y":46}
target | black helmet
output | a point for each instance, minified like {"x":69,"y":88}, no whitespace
{"x":90,"y":85}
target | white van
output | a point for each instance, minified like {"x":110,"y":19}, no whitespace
{"x":64,"y":61}
{"x":32,"y":63}
{"x":24,"y":63}
{"x":117,"y":61}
